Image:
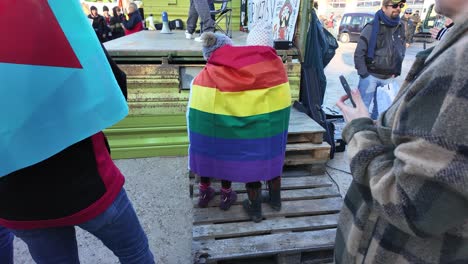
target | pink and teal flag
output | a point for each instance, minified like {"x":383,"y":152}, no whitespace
{"x":56,"y":86}
{"x":239,"y":115}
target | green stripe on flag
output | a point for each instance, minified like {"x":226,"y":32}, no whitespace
{"x":250,"y":127}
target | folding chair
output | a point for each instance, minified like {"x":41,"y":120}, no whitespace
{"x":224,"y":13}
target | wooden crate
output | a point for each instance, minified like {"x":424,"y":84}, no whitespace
{"x":305,"y":142}
{"x":305,"y":226}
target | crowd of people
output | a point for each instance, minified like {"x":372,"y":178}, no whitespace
{"x":109,"y":27}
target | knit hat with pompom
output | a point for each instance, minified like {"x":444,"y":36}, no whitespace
{"x":212,"y":41}
{"x":261,"y":34}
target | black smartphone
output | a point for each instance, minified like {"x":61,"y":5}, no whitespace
{"x":345,"y":85}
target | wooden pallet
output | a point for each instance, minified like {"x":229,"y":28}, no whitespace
{"x":305,"y":226}
{"x":302,"y":128}
{"x":305,"y":142}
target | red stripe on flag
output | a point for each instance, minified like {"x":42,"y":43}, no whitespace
{"x":261,"y":75}
{"x":239,"y":57}
{"x":34,"y":37}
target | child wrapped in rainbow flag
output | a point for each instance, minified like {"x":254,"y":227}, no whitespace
{"x":238,"y":119}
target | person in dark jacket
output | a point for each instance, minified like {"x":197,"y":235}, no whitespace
{"x":115,"y":23}
{"x":409,"y":26}
{"x":380,"y":51}
{"x":134,"y":22}
{"x":99,"y":24}
{"x":79,"y":186}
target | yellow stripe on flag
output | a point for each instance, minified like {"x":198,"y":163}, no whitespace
{"x":245,"y":103}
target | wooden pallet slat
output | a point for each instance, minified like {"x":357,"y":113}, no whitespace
{"x":286,"y":195}
{"x":302,"y":128}
{"x":286,"y":184}
{"x":290,"y":208}
{"x":275,"y":225}
{"x":245,"y":247}
{"x":307,"y":146}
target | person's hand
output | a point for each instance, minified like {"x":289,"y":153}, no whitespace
{"x":349,"y":112}
{"x":434,"y":32}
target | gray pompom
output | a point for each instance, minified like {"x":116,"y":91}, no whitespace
{"x":209,"y":39}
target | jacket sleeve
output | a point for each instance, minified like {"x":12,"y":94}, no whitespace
{"x":420,"y":184}
{"x":361,"y":51}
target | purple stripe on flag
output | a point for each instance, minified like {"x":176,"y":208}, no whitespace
{"x":238,"y":149}
{"x":236,"y":171}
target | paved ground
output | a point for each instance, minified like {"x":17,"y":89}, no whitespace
{"x":159,"y":190}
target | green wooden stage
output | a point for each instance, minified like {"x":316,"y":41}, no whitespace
{"x":159,"y":69}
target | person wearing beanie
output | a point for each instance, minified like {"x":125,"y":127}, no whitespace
{"x":116,"y":21}
{"x":99,"y":24}
{"x":232,"y":136}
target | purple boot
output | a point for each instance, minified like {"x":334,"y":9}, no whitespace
{"x":205,"y":197}
{"x":228,"y":198}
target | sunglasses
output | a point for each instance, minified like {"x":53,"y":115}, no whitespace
{"x":401,"y":5}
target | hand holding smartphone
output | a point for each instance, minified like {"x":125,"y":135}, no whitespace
{"x":345,"y":85}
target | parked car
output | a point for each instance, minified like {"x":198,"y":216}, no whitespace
{"x":351,"y":26}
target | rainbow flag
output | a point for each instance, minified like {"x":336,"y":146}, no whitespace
{"x":239,"y":114}
{"x":56,"y":84}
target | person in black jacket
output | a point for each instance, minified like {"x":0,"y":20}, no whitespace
{"x":116,"y":23}
{"x":99,"y":24}
{"x":380,"y":51}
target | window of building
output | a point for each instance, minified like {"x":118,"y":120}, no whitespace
{"x":338,"y":3}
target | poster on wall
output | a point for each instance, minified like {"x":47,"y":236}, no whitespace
{"x":284,"y":19}
{"x":282,"y":14}
{"x":260,"y":10}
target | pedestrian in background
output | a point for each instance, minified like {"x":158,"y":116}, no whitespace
{"x":417,"y":21}
{"x":133,"y":22}
{"x":99,"y":24}
{"x":107,"y":18}
{"x":380,"y":52}
{"x":199,"y":8}
{"x":115,"y":23}
{"x":409,"y":26}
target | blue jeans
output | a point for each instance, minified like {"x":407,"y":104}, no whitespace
{"x":368,"y":89}
{"x":118,"y":228}
{"x":6,"y":246}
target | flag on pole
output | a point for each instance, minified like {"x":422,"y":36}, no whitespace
{"x":56,"y":85}
{"x":239,"y":115}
